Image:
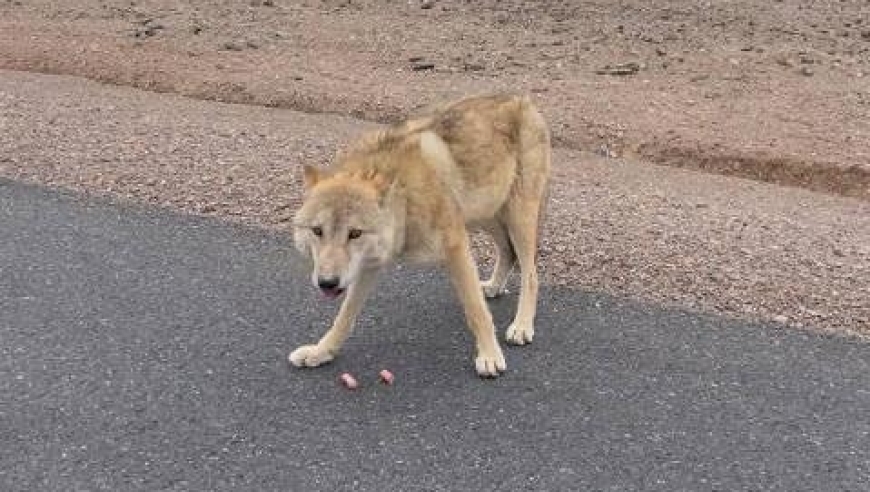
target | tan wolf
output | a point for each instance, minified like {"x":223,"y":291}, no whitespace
{"x":413,"y":192}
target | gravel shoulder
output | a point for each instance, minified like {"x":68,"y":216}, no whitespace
{"x":682,"y":238}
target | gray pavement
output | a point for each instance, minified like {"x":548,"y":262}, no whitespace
{"x":145,"y":350}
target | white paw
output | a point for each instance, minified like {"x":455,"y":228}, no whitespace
{"x":492,"y":290}
{"x":489,"y":363}
{"x":310,"y":356}
{"x":518,"y":334}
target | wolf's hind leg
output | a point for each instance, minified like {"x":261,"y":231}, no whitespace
{"x":329,"y":345}
{"x":522,"y":216}
{"x":495,"y":286}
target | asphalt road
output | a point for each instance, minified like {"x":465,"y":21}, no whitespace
{"x":144,"y":350}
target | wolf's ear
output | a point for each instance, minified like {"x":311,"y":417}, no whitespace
{"x":311,"y":176}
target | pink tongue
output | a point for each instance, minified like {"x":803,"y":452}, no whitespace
{"x":332,"y":293}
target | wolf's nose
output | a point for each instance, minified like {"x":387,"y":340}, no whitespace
{"x":327,"y":282}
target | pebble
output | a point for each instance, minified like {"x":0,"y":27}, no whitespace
{"x":148,"y":30}
{"x":630,"y":68}
{"x":231,"y":46}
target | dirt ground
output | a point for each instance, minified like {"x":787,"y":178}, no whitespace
{"x":775,"y":91}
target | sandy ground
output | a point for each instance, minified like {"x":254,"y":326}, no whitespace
{"x":775,"y":91}
{"x":682,"y":238}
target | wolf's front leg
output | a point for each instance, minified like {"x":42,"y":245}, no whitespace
{"x":327,"y":348}
{"x":489,"y":361}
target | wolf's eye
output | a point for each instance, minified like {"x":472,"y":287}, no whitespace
{"x":317,"y":231}
{"x":354,"y":233}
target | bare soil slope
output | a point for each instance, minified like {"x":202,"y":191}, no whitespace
{"x":777,"y":91}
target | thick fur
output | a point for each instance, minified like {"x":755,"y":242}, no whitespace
{"x":412,"y":192}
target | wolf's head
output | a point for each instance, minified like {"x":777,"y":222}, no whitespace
{"x":346,"y":224}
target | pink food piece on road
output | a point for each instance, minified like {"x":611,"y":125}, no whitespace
{"x":348,"y":381}
{"x":386,"y":376}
